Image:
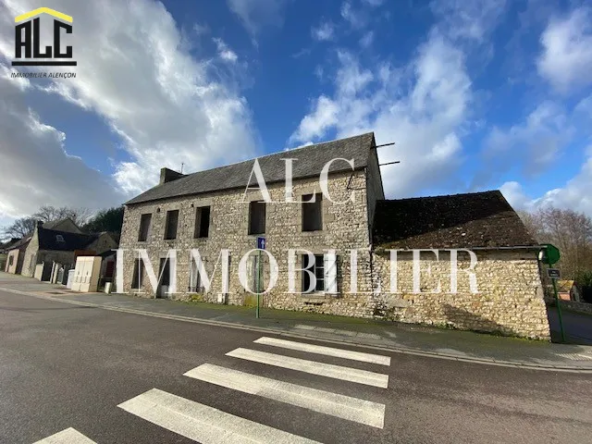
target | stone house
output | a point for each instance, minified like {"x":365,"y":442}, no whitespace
{"x":567,"y":290}
{"x":50,"y":247}
{"x":15,"y":255}
{"x":223,"y":208}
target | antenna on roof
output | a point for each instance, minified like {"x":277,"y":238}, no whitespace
{"x":384,"y":144}
{"x":182,"y":165}
{"x":389,"y":163}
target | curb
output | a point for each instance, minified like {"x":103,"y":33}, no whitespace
{"x":345,"y":341}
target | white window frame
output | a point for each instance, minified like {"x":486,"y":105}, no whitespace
{"x":329,"y":271}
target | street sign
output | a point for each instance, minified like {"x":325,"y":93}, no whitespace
{"x":554,"y":273}
{"x":261,"y":243}
{"x":549,"y":255}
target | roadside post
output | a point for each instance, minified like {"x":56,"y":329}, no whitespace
{"x":550,"y":255}
{"x":260,"y":247}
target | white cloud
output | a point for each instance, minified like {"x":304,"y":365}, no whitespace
{"x":374,"y":2}
{"x":514,"y":194}
{"x":356,"y":18}
{"x":425,"y":119}
{"x":323,"y":116}
{"x":325,"y":31}
{"x":256,"y":14}
{"x":200,"y":29}
{"x":224,"y":51}
{"x":35,"y":168}
{"x":566,"y":59}
{"x":537,"y":142}
{"x":135,"y":73}
{"x":574,"y":195}
{"x":471,"y":20}
{"x":367,"y":39}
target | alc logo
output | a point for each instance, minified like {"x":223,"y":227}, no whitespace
{"x":28,"y":40}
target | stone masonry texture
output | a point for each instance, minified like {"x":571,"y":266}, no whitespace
{"x":509,"y":298}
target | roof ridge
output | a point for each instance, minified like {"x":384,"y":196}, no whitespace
{"x":310,"y":163}
{"x":471,"y":193}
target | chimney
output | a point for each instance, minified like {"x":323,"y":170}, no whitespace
{"x":168,"y":175}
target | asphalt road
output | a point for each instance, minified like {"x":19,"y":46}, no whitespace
{"x":64,"y":366}
{"x":578,"y":326}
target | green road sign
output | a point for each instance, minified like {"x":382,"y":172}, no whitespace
{"x":549,"y":254}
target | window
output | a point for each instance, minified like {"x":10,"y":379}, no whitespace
{"x":324,"y":269}
{"x":138,"y":276}
{"x":195,"y":284}
{"x":312,"y":219}
{"x":144,"y":227}
{"x":10,"y":261}
{"x":317,"y":267}
{"x":257,"y":217}
{"x":202,"y":222}
{"x":59,"y":238}
{"x":172,"y":220}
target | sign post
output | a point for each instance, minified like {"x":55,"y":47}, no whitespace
{"x":550,"y":255}
{"x":260,"y":247}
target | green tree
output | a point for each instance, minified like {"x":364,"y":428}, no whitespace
{"x":109,"y":220}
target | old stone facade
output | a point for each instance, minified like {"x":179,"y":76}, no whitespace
{"x":509,"y":298}
{"x":345,"y":227}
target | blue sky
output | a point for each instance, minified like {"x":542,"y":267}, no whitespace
{"x":483,"y":94}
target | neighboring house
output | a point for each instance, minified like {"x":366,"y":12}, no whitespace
{"x":206,"y":211}
{"x":4,"y":249}
{"x":50,"y":247}
{"x":66,"y":224}
{"x":16,"y":255}
{"x":567,"y":290}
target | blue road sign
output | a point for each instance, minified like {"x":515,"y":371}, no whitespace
{"x":261,"y":243}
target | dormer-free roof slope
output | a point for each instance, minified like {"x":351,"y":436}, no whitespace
{"x":310,"y":162}
{"x":471,"y":220}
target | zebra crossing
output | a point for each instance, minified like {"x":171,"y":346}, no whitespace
{"x":209,"y":425}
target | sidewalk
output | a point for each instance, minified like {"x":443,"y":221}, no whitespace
{"x":396,"y":337}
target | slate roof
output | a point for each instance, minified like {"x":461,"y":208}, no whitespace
{"x":49,"y":240}
{"x":54,"y":223}
{"x":311,"y":160}
{"x":19,"y":243}
{"x":473,"y":220}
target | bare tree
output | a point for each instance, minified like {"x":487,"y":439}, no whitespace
{"x":24,"y":226}
{"x":20,"y":228}
{"x":568,"y":230}
{"x":48,"y":214}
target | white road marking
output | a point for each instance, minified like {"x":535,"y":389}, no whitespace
{"x":586,"y":356}
{"x":346,"y":407}
{"x":328,"y":351}
{"x":68,"y":436}
{"x":202,"y":423}
{"x":312,"y":367}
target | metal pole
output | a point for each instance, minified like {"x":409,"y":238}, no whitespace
{"x":558,"y":310}
{"x":258,"y":283}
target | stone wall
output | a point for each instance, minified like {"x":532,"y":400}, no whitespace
{"x":14,"y":267}
{"x":509,"y":298}
{"x":29,"y":260}
{"x":103,"y":243}
{"x":345,"y":226}
{"x":374,"y":187}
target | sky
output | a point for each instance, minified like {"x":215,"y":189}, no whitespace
{"x":476,"y":95}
